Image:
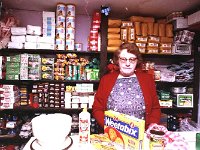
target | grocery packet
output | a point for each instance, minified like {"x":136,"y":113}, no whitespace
{"x":126,"y":131}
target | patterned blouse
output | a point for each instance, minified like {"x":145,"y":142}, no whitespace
{"x":126,"y":97}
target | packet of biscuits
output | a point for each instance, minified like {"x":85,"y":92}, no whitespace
{"x":102,"y":142}
{"x":126,"y":131}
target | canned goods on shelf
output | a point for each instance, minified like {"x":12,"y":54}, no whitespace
{"x":60,"y":22}
{"x":61,"y":9}
{"x":60,"y":33}
{"x":78,"y":46}
{"x":70,"y":34}
{"x":69,"y":45}
{"x":70,"y":22}
{"x":70,"y":10}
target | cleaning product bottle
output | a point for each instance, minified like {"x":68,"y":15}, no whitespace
{"x":84,"y":127}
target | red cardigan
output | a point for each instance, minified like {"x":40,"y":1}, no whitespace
{"x":148,"y":88}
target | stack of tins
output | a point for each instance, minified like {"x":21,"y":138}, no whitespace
{"x":60,"y":26}
{"x":70,"y":26}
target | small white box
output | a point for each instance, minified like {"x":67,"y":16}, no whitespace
{"x":18,"y":38}
{"x":48,"y":14}
{"x":68,"y":96}
{"x":75,"y":99}
{"x":167,"y":103}
{"x":7,"y":106}
{"x":30,"y":45}
{"x":33,"y":30}
{"x":15,"y":45}
{"x":75,"y":105}
{"x":84,"y":105}
{"x":84,"y":99}
{"x":194,"y":18}
{"x":49,"y":40}
{"x":31,"y":38}
{"x":47,"y":33}
{"x":46,"y":46}
{"x":18,"y":30}
{"x":24,"y":73}
{"x":67,"y":105}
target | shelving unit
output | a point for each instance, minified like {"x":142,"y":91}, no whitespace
{"x":49,"y":52}
{"x":103,"y":55}
{"x":30,"y":111}
{"x":167,"y":59}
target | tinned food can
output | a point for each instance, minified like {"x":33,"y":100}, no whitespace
{"x":78,"y":46}
{"x":70,"y":34}
{"x":70,"y":22}
{"x":60,"y":33}
{"x":156,"y":140}
{"x":61,"y":9}
{"x":70,"y":10}
{"x":60,"y":44}
{"x":60,"y":22}
{"x":69,"y":45}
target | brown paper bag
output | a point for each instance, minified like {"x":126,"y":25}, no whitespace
{"x":155,"y":29}
{"x":161,"y":29}
{"x":113,"y":30}
{"x":113,"y":36}
{"x":169,"y":30}
{"x":114,"y":23}
{"x":137,"y":28}
{"x":150,"y":28}
{"x":144,"y":29}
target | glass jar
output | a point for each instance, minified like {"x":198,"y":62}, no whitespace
{"x":156,"y":140}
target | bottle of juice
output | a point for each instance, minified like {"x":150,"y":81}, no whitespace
{"x":84,"y":127}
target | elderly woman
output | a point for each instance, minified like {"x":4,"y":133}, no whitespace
{"x":128,"y":89}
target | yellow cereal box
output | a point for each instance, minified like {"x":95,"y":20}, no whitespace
{"x":124,"y":130}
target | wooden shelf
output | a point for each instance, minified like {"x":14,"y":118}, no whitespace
{"x":195,"y":27}
{"x":175,"y":110}
{"x":27,"y":82}
{"x":174,"y":83}
{"x":42,"y":51}
{"x":11,"y":139}
{"x":28,"y":109}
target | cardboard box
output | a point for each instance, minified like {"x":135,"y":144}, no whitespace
{"x":184,"y":100}
{"x":194,"y":18}
{"x":181,"y":49}
{"x":180,"y":23}
{"x":166,"y":103}
{"x":126,"y":131}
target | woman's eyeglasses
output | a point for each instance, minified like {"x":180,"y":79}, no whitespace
{"x":131,"y":60}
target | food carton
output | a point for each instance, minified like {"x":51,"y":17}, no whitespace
{"x":124,"y":130}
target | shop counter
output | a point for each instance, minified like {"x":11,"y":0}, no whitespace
{"x":189,"y":136}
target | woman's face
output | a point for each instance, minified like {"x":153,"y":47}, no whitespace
{"x":127,"y":63}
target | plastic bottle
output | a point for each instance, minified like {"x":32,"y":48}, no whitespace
{"x":197,"y":141}
{"x":84,"y":127}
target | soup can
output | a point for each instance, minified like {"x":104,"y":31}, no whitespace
{"x":69,"y":45}
{"x":70,"y":34}
{"x":70,"y":22}
{"x":60,"y":22}
{"x":61,"y":9}
{"x":60,"y":44}
{"x":78,"y":46}
{"x":70,"y":10}
{"x":60,"y":33}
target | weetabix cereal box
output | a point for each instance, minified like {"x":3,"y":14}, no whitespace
{"x":126,"y":131}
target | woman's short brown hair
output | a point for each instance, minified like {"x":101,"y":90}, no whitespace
{"x":131,"y":48}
